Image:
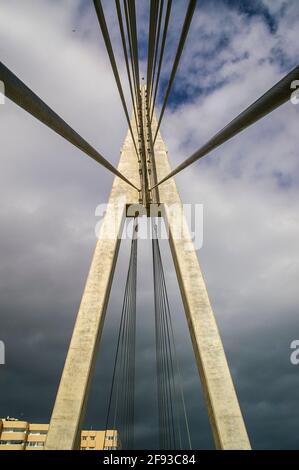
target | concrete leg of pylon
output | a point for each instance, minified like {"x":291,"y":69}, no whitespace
{"x":223,"y":407}
{"x":69,"y":409}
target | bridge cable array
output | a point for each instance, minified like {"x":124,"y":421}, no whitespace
{"x":120,"y":411}
{"x":152,"y":37}
{"x":157,"y":41}
{"x":125,"y":51}
{"x":174,"y":432}
{"x":130,"y":41}
{"x":106,"y":36}
{"x":183,"y":37}
{"x":161,"y":54}
{"x":156,"y":49}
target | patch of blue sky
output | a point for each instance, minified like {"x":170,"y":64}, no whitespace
{"x":250,"y":8}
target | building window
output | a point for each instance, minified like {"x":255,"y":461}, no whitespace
{"x":92,"y":438}
{"x":13,"y":429}
{"x":38,"y":433}
{"x":35,"y":444}
{"x":83,"y":438}
{"x":11,"y":443}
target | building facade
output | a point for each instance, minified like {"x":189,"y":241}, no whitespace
{"x":21,"y":435}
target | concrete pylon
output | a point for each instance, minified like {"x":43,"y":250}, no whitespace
{"x":224,"y":411}
{"x":69,"y":409}
{"x":225,"y":416}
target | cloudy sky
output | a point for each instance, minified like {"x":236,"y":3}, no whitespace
{"x":249,"y":187}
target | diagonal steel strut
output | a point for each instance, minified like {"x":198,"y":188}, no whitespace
{"x":18,"y":92}
{"x":272,"y":99}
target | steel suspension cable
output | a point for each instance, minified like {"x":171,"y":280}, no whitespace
{"x":134,"y":37}
{"x":106,"y":37}
{"x":171,"y":401}
{"x":171,"y":374}
{"x":162,"y":404}
{"x":183,"y":37}
{"x":174,"y":391}
{"x":162,"y":371}
{"x":169,"y":377}
{"x":169,"y":428}
{"x":179,"y":376}
{"x":126,"y":380}
{"x":115,"y":376}
{"x":127,"y":410}
{"x":164,"y":36}
{"x":122,"y":389}
{"x":129,"y":35}
{"x":157,"y":42}
{"x":124,"y":44}
{"x":151,"y":43}
{"x":161,"y":407}
{"x":177,"y":365}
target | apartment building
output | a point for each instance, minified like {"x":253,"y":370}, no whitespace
{"x":21,"y":435}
